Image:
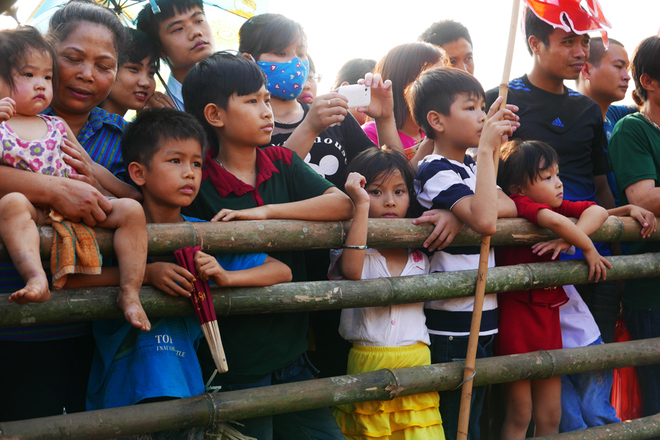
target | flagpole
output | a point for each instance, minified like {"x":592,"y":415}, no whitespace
{"x":469,"y":370}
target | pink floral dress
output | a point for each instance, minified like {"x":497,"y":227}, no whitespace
{"x":39,"y":155}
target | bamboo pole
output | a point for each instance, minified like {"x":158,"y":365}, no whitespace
{"x":645,"y":427}
{"x":205,"y":410}
{"x":475,"y":326}
{"x":278,"y":235}
{"x":89,"y":304}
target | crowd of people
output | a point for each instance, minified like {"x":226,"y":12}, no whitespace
{"x":247,"y":135}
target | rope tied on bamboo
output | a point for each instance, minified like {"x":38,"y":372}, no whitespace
{"x":393,"y":389}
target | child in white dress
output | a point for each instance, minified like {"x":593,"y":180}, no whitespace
{"x":380,"y":182}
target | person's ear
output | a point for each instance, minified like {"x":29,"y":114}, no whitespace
{"x":515,"y":189}
{"x":248,"y":57}
{"x":587,"y":71}
{"x":137,"y":172}
{"x":214,"y":115}
{"x":436,"y":121}
{"x":648,"y":83}
{"x":534,"y":44}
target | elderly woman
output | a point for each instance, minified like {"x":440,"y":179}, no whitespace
{"x":44,"y":370}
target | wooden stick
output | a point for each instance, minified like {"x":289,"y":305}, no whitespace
{"x":473,"y":341}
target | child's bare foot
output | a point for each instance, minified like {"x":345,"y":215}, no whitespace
{"x":35,"y":291}
{"x":133,"y":311}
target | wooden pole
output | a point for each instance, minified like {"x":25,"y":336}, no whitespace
{"x":473,"y":341}
{"x":645,"y":427}
{"x":278,"y":235}
{"x":208,"y":409}
{"x":89,"y":304}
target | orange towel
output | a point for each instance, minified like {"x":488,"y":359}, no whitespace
{"x":74,"y":250}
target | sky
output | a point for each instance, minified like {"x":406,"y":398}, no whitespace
{"x":339,"y":30}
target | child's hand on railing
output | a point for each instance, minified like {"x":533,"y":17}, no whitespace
{"x":447,"y":225}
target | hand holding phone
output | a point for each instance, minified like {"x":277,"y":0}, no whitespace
{"x":358,"y":95}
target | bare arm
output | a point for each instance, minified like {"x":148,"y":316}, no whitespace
{"x":603,"y":192}
{"x":381,"y":109}
{"x":424,"y":148}
{"x":113,"y":185}
{"x":480,"y":212}
{"x":270,"y":272}
{"x":645,"y":194}
{"x":351,"y":262}
{"x":329,"y":206}
{"x":326,"y":110}
{"x":645,"y":217}
{"x":506,"y":208}
{"x":575,"y":234}
{"x":168,"y":277}
{"x":76,"y":201}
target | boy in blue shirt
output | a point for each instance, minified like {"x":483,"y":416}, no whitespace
{"x":449,"y":106}
{"x":163,"y":150}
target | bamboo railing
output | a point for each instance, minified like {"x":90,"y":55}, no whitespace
{"x":277,"y":235}
{"x":268,"y":236}
{"x":207,"y":409}
{"x":99,"y":303}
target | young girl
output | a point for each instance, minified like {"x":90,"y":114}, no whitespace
{"x":402,"y":65}
{"x":529,"y":320}
{"x":323,"y":134}
{"x":44,"y":144}
{"x":381,"y":186}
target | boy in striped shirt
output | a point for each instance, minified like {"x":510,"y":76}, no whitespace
{"x":449,"y":105}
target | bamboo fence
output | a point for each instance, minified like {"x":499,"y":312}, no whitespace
{"x":207,"y":409}
{"x":277,"y":235}
{"x":99,"y":303}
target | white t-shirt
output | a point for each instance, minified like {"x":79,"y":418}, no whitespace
{"x":578,"y":327}
{"x":389,"y":326}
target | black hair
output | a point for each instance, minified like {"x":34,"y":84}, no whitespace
{"x":266,"y":33}
{"x":151,"y":128}
{"x":380,"y":163}
{"x":597,"y":49}
{"x":16,"y":45}
{"x":445,"y":31}
{"x":646,"y":60}
{"x":353,"y":70}
{"x":436,"y":90}
{"x":522,"y":162}
{"x":214,"y":80}
{"x":68,"y":18}
{"x":137,"y":47}
{"x":402,"y":65}
{"x":149,"y":23}
{"x":537,"y":27}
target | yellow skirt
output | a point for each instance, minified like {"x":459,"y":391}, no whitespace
{"x":413,"y":417}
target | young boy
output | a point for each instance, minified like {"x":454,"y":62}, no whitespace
{"x":183,"y":36}
{"x":163,"y":149}
{"x":449,"y":106}
{"x":228,"y":95}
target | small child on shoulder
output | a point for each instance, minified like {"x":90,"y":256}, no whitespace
{"x":380,"y":183}
{"x":45,"y":144}
{"x":449,"y":106}
{"x":529,"y":320}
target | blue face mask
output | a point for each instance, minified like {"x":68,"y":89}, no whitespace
{"x":285,"y":80}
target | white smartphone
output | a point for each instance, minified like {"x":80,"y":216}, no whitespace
{"x":358,"y":95}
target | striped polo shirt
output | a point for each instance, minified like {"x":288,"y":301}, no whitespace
{"x":440,"y":184}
